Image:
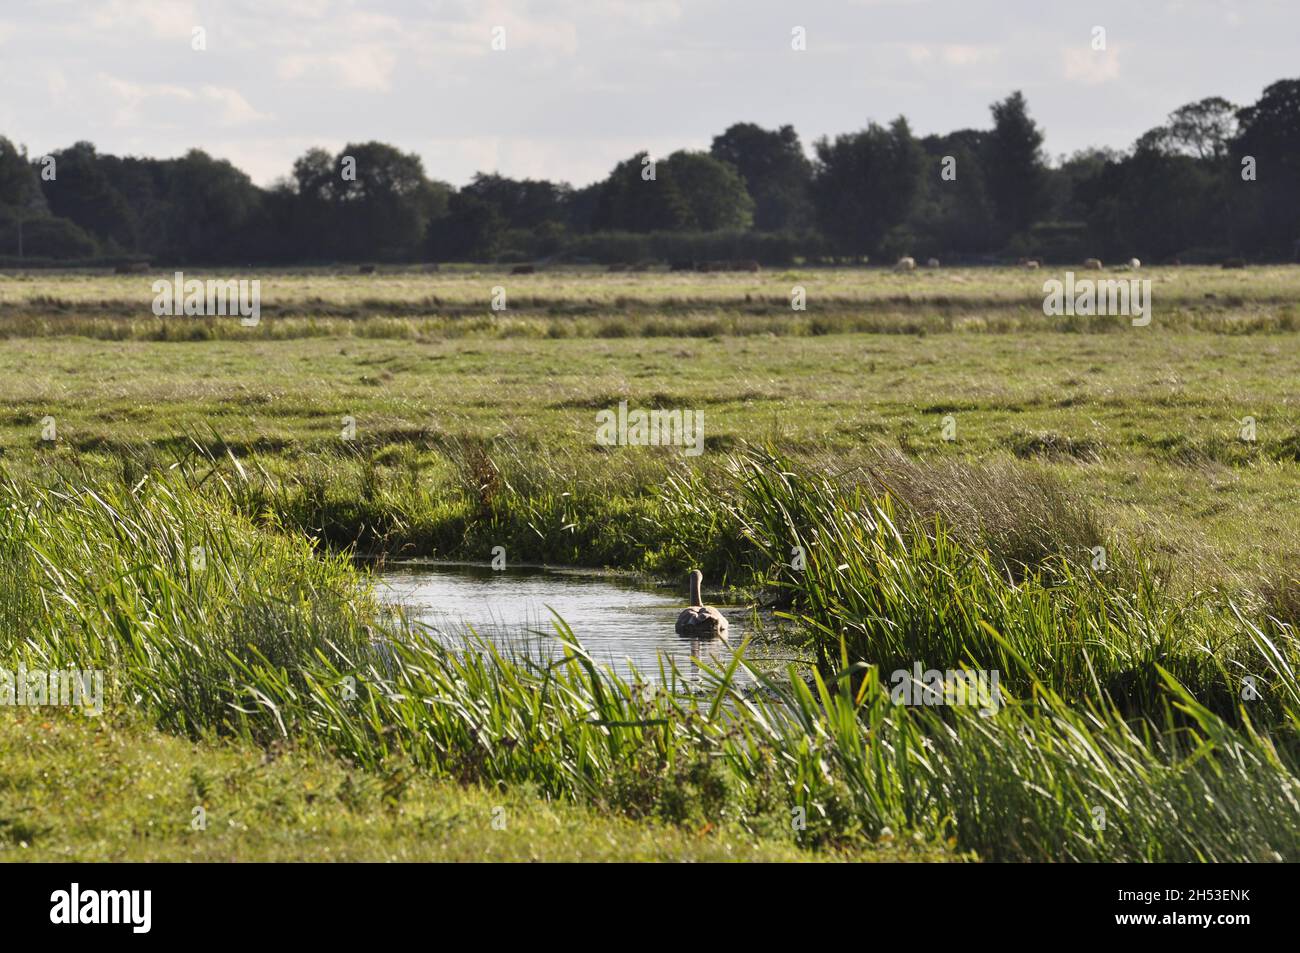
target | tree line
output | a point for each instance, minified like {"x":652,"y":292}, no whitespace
{"x":1215,"y":180}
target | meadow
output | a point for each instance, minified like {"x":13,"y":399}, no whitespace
{"x":825,"y":432}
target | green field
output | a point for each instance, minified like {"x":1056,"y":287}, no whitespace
{"x":1142,"y":422}
{"x":476,"y":428}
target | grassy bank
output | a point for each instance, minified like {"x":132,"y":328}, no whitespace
{"x":107,"y":790}
{"x":1143,"y":427}
{"x":292,"y":652}
{"x":186,"y":528}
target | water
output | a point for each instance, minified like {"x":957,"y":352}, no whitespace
{"x":621,"y":624}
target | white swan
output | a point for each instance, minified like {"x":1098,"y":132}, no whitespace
{"x":700,"y":621}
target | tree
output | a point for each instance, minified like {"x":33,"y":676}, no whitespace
{"x":1151,"y":204}
{"x":83,"y":193}
{"x":865,"y":183}
{"x":776,"y":171}
{"x":630,"y":200}
{"x":1014,"y":165}
{"x":522,"y":203}
{"x":305,"y":207}
{"x":712,"y":190}
{"x":1267,"y":209}
{"x":210,"y":205}
{"x":45,"y":236}
{"x":384,"y":211}
{"x":1204,"y":129}
{"x":953,"y":214}
{"x":581,"y":207}
{"x":471,"y":230}
{"x":21,"y":199}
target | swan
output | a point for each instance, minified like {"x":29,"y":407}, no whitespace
{"x":700,"y":621}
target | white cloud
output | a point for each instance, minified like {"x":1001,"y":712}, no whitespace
{"x":585,"y":84}
{"x":163,"y":18}
{"x":235,"y":109}
{"x":919,"y":53}
{"x":959,"y":54}
{"x":647,"y":13}
{"x":950,"y":54}
{"x":1088,"y":66}
{"x":167,"y":104}
{"x":367,"y":68}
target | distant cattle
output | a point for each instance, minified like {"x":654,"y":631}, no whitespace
{"x":1134,"y":264}
{"x":1031,"y":263}
{"x":1092,"y":264}
{"x":906,"y":263}
{"x":366,"y":269}
{"x":932,"y":263}
{"x":524,"y":270}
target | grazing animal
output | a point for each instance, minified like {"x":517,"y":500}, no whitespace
{"x":700,"y":621}
{"x":1134,"y":264}
{"x":132,"y":268}
{"x":932,"y":263}
{"x":1092,"y":264}
{"x":367,"y":269}
{"x":1031,"y":263}
{"x":523,"y":270}
{"x":1235,"y":263}
{"x":906,"y":263}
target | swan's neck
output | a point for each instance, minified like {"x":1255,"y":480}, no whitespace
{"x":695,"y":591}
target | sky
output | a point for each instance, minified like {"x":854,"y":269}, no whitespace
{"x":582,"y":84}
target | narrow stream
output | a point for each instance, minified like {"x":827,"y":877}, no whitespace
{"x":622,"y":624}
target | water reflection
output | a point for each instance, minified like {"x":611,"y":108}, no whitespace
{"x":621,"y":624}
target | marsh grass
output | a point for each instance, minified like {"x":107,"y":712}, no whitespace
{"x":897,"y":592}
{"x":275,"y":642}
{"x":568,"y":302}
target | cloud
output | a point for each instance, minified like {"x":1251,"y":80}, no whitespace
{"x":585,"y":84}
{"x":166,"y":104}
{"x":235,"y":109}
{"x":1088,"y":66}
{"x":951,"y":54}
{"x":163,"y":18}
{"x":367,"y":68}
{"x":647,"y":13}
{"x":959,"y":54}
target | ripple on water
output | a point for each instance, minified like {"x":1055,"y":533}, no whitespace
{"x":621,"y":624}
